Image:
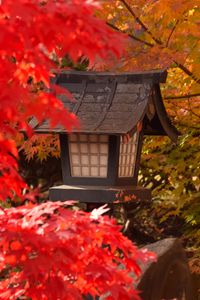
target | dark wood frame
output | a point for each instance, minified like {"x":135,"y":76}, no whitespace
{"x":98,"y":194}
{"x":113,"y":164}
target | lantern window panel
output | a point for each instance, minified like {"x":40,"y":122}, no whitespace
{"x":88,"y":155}
{"x":127,"y":156}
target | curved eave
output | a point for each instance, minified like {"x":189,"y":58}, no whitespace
{"x":152,"y":76}
{"x":168,"y":127}
{"x":104,"y":103}
{"x":113,"y":103}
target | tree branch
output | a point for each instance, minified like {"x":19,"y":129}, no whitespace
{"x":186,"y":71}
{"x":171,"y":33}
{"x":182,"y":67}
{"x":130,"y":35}
{"x":140,"y":22}
{"x":182,"y":96}
{"x":191,"y":109}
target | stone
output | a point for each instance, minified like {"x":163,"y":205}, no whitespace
{"x":168,"y":278}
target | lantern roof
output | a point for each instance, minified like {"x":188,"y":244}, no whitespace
{"x":113,"y":103}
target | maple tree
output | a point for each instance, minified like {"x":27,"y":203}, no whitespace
{"x":50,"y":252}
{"x":46,"y":250}
{"x":33,"y":36}
{"x":165,"y":34}
{"x":162,"y":34}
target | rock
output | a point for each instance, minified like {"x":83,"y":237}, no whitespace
{"x":169,"y":278}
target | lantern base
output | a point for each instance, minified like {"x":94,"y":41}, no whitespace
{"x":99,"y":194}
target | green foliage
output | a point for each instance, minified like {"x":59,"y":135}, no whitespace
{"x":173,"y":173}
{"x":81,"y":65}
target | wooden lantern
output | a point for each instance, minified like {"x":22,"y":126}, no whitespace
{"x":100,"y":161}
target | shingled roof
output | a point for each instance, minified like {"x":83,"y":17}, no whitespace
{"x":113,"y":103}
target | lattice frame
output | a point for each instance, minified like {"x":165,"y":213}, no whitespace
{"x":127,"y":156}
{"x":88,"y":155}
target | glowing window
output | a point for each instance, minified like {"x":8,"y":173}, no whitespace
{"x":88,"y":155}
{"x":127,"y":157}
